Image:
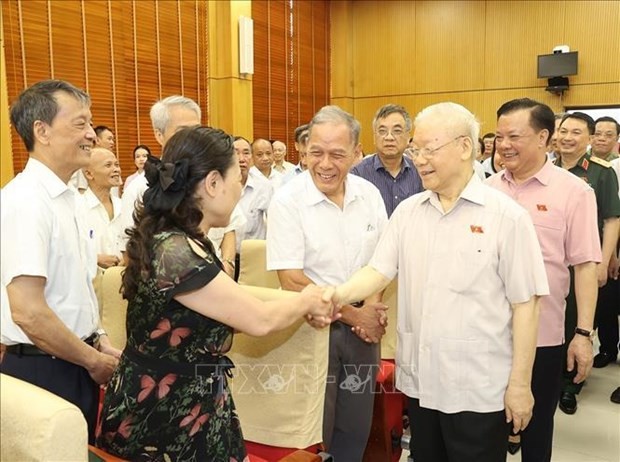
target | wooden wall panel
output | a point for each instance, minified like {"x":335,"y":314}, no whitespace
{"x":511,"y":46}
{"x":321,"y":84}
{"x":384,"y":43}
{"x":342,"y":41}
{"x":449,"y":46}
{"x":126,"y":54}
{"x":591,"y":95}
{"x":593,"y":29}
{"x":476,"y":53}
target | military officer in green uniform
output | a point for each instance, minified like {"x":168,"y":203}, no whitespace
{"x":574,"y":136}
{"x":606,"y":131}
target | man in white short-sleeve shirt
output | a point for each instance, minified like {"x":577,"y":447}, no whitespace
{"x":262,"y":156}
{"x":470,"y":272}
{"x":50,"y":320}
{"x":255,"y":197}
{"x":102,"y":209}
{"x":323,"y":226}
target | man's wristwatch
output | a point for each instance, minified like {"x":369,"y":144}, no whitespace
{"x":585,"y":333}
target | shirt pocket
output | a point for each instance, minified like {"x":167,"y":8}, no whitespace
{"x":463,"y":270}
{"x":550,"y":229}
{"x":369,"y":241}
{"x":463,"y":364}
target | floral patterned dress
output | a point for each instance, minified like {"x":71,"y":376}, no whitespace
{"x":168,"y":400}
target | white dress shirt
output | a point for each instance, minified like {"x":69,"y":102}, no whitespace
{"x":216,"y":235}
{"x":284,"y":168}
{"x":487,"y":166}
{"x":479,"y":170}
{"x":43,"y":235}
{"x":458,"y":274}
{"x":254,"y":202}
{"x":308,"y":231}
{"x":133,"y":193}
{"x":103,"y":231}
{"x":288,"y":176}
{"x":275,"y":177}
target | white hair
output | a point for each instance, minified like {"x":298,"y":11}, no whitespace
{"x":456,"y":117}
{"x":336,"y":115}
{"x":159,"y":111}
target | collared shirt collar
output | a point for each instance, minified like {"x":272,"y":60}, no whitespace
{"x":91,"y":199}
{"x":50,"y":181}
{"x":473,"y":192}
{"x":583,"y":162}
{"x":543,"y":176}
{"x":314,"y":196}
{"x":250,"y":182}
{"x":405,"y":164}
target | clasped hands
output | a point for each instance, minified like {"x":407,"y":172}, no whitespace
{"x":321,"y":311}
{"x":368,"y":322}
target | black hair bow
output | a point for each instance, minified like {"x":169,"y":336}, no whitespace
{"x":167,"y":184}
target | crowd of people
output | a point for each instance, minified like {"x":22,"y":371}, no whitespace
{"x":505,"y":248}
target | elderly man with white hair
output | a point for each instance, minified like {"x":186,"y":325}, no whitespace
{"x":168,"y":116}
{"x":470,"y":273}
{"x":280,"y":163}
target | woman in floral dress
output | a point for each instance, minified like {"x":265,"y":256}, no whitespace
{"x":168,"y":399}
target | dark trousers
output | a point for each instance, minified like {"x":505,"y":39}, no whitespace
{"x":606,"y":320}
{"x":537,"y":438}
{"x":349,"y":397}
{"x":67,"y":380}
{"x":459,"y":437}
{"x":570,"y":322}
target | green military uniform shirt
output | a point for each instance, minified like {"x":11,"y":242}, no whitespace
{"x":599,"y":174}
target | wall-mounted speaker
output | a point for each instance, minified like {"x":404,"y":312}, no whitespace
{"x":246,"y":45}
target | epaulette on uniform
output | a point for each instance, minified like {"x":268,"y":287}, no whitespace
{"x":602,"y":162}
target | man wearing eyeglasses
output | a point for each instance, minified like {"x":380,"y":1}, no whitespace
{"x":470,"y":272}
{"x":605,"y":139}
{"x":563,"y":209}
{"x":391,"y":172}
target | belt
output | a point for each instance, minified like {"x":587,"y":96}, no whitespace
{"x":26,"y":349}
{"x":221,"y":366}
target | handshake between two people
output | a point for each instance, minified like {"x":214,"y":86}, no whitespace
{"x":324,"y":306}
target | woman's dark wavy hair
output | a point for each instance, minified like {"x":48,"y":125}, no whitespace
{"x":171,"y":202}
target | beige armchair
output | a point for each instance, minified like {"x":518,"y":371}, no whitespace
{"x":253,"y":263}
{"x":113,"y":308}
{"x":279,"y":384}
{"x":388,"y":341}
{"x":37,"y":425}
